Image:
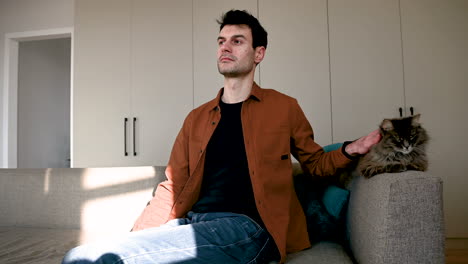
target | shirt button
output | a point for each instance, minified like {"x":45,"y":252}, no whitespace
{"x":214,"y":123}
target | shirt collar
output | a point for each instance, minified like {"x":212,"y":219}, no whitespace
{"x":256,"y":94}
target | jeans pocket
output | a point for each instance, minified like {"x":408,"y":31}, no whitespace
{"x":250,"y":226}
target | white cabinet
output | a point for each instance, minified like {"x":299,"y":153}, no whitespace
{"x":365,"y":65}
{"x":435,"y":49}
{"x":207,"y":80}
{"x":162,"y":75}
{"x":296,"y":61}
{"x":130,"y":62}
{"x":101,"y":88}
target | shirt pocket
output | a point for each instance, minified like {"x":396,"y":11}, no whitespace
{"x":275,"y":144}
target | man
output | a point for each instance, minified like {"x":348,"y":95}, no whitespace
{"x":229,"y":195}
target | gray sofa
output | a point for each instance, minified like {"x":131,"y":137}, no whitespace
{"x":391,"y":218}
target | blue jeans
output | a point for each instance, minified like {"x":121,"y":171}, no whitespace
{"x":200,"y":238}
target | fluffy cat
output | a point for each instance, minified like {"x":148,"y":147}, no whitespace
{"x":403,"y":147}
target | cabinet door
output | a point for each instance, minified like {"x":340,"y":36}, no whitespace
{"x":101,"y":82}
{"x":207,"y":80}
{"x":162,"y":79}
{"x":297,"y":61}
{"x":435,"y":45}
{"x":365,"y":65}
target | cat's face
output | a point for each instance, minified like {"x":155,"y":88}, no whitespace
{"x":403,"y":134}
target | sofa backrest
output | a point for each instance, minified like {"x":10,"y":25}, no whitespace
{"x":89,"y":199}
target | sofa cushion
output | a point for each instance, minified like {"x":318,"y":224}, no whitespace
{"x":332,"y":147}
{"x":320,"y":253}
{"x":324,"y":205}
{"x":321,"y":225}
{"x":335,"y":201}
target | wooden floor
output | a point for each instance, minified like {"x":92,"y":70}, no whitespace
{"x":456,"y":251}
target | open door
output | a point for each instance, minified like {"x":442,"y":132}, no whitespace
{"x":44,"y":103}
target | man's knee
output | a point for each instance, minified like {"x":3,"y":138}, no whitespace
{"x":88,"y":254}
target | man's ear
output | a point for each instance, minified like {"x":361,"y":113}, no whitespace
{"x":259,"y":54}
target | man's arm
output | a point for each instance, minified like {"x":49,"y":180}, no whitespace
{"x":312,"y":157}
{"x":157,"y":212}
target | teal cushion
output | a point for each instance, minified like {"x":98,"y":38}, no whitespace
{"x":324,"y":206}
{"x":334,"y":198}
{"x":332,"y":147}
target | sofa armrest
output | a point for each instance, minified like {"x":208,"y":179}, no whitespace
{"x":397,"y":218}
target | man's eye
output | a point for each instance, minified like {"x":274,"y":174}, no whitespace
{"x":237,"y":41}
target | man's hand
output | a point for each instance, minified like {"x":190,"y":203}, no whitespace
{"x":364,"y":144}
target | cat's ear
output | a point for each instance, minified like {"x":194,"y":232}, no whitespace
{"x":387,"y":125}
{"x":415,"y":120}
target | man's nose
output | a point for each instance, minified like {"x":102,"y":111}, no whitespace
{"x":225,"y":47}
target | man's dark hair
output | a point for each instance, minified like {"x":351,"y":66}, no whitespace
{"x":238,"y":17}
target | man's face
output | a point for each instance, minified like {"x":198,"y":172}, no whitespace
{"x":236,"y":56}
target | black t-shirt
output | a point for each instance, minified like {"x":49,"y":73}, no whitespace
{"x":226,"y":185}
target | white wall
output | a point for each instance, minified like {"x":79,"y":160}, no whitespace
{"x":29,"y":15}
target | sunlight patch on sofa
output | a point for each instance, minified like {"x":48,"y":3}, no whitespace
{"x":47,"y":180}
{"x":112,"y":215}
{"x":95,"y":178}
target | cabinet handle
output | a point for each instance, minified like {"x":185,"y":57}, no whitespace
{"x":125,"y":136}
{"x":411,"y":110}
{"x":134,"y":136}
{"x":401,"y":111}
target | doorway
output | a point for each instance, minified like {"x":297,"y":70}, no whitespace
{"x":44,"y":104}
{"x":37,"y":99}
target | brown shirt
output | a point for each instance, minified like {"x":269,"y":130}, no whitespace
{"x":274,"y":127}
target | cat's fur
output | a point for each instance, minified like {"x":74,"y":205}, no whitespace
{"x":403,"y":147}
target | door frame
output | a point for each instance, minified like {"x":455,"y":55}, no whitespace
{"x":10,"y":88}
